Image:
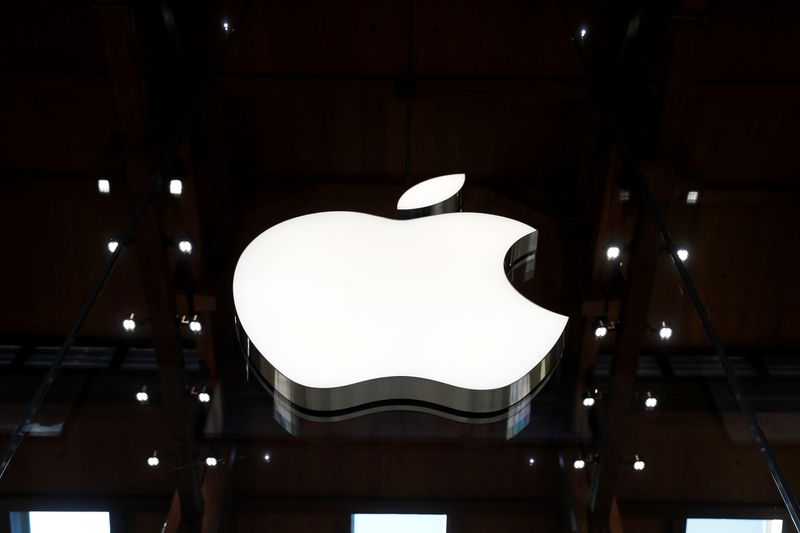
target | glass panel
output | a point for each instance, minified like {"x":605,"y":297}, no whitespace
{"x":69,"y":522}
{"x":725,"y":525}
{"x":399,"y":523}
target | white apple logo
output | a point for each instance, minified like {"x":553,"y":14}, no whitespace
{"x":343,"y":311}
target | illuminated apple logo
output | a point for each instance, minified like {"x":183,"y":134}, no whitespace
{"x":341,"y":312}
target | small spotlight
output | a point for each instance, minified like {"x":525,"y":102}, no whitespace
{"x":588,"y":401}
{"x":153,"y":460}
{"x":226,"y":26}
{"x":612,"y":252}
{"x":112,"y":245}
{"x":583,"y":31}
{"x":665,"y":332}
{"x":194,"y":325}
{"x":104,"y":186}
{"x":204,"y":397}
{"x":692,"y":197}
{"x":638,"y":464}
{"x":531,"y":461}
{"x":267,"y":458}
{"x":683,"y":254}
{"x":579,"y":464}
{"x":129,"y":324}
{"x":142,"y":396}
{"x":601,"y":330}
{"x":175,"y":187}
{"x":211,"y":461}
{"x":650,"y":402}
{"x":185,"y":246}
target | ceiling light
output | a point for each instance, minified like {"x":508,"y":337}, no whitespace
{"x":153,"y":460}
{"x":211,"y":461}
{"x":665,"y":332}
{"x":692,"y":197}
{"x":601,"y":330}
{"x":531,"y":461}
{"x":194,"y":325}
{"x":142,"y":396}
{"x":129,"y":324}
{"x":175,"y":187}
{"x":185,"y":246}
{"x":650,"y":402}
{"x":683,"y":254}
{"x":579,"y":464}
{"x":612,"y":252}
{"x":583,"y":31}
{"x":112,"y":245}
{"x":588,"y":401}
{"x":624,"y":195}
{"x":267,"y":457}
{"x":226,"y":26}
{"x":204,"y":397}
{"x":638,"y":464}
{"x":104,"y":186}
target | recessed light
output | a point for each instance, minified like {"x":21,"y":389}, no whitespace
{"x":175,"y":187}
{"x":112,"y":245}
{"x":665,"y":332}
{"x":692,"y":197}
{"x":612,"y":252}
{"x":204,"y":397}
{"x":153,"y":460}
{"x":185,"y":246}
{"x":211,"y":461}
{"x":104,"y":186}
{"x":683,"y":254}
{"x":579,"y":464}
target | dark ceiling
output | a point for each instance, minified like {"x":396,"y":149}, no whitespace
{"x":340,"y":106}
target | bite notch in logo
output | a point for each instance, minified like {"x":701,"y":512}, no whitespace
{"x":340,"y":312}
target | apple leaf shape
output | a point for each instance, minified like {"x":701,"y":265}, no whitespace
{"x":395,"y":312}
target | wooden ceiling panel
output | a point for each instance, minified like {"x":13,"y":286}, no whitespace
{"x":50,"y":35}
{"x":748,"y":40}
{"x":356,"y":37}
{"x":63,"y":231}
{"x":56,"y":123}
{"x":490,"y":38}
{"x":313,"y":128}
{"x":529,"y":130}
{"x":743,"y":260}
{"x":743,"y":136}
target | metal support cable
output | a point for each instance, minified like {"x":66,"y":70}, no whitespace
{"x":733,"y":382}
{"x":31,"y":410}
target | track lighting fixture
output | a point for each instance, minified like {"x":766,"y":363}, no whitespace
{"x":129,"y":324}
{"x":185,"y":246}
{"x":664,"y":332}
{"x":142,"y":396}
{"x":153,"y":461}
{"x":650,"y":401}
